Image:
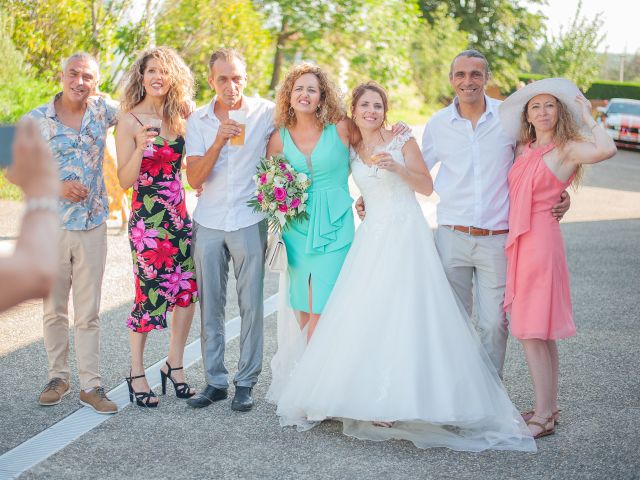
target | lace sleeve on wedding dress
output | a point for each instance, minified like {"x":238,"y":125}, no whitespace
{"x":399,"y":140}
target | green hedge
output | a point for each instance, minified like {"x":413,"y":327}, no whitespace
{"x":604,"y":90}
{"x":600,"y":89}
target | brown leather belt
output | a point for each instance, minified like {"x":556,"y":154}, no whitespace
{"x":475,"y":231}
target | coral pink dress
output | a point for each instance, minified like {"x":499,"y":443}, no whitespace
{"x":537,"y":292}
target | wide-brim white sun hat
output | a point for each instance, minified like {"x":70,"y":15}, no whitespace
{"x":561,"y":88}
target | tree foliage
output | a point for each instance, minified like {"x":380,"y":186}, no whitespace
{"x":300,"y":26}
{"x":406,"y":45}
{"x":50,"y":30}
{"x":376,"y":44}
{"x":503,"y":30}
{"x":572,"y":53}
{"x":433,"y":48}
{"x":196,"y":28}
{"x":21,"y":89}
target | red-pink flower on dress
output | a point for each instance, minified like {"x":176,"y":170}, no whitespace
{"x":173,"y":192}
{"x":176,"y":280}
{"x":142,"y":237}
{"x":160,"y":161}
{"x":161,"y":255}
{"x":183,"y":299}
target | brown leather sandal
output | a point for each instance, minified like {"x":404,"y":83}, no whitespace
{"x":527,"y":414}
{"x":545,"y":431}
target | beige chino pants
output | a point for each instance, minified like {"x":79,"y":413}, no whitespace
{"x":83,"y":256}
{"x":478,"y":263}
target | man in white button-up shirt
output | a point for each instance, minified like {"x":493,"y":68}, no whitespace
{"x":225,"y":227}
{"x":475,"y":156}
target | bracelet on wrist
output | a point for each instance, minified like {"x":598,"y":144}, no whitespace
{"x":35,"y":204}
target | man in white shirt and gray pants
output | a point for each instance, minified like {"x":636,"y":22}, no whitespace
{"x":225,"y":227}
{"x":475,"y":156}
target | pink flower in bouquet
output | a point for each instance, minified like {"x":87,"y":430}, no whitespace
{"x":263,"y":178}
{"x":260,"y":197}
{"x":283,"y":167}
{"x":279,"y":193}
{"x":283,"y":208}
{"x":289,"y":177}
{"x":295,"y":203}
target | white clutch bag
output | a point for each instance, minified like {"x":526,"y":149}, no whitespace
{"x":276,"y":256}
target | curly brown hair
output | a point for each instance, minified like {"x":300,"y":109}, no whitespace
{"x":331,"y":109}
{"x":179,"y":101}
{"x":566,"y":130}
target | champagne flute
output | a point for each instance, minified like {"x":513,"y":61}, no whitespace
{"x":378,"y":153}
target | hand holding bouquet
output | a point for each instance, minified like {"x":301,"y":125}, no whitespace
{"x":280,"y":192}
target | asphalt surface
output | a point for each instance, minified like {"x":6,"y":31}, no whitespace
{"x":598,"y":436}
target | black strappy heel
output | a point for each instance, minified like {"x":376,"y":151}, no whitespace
{"x":143,"y":399}
{"x":182,"y":389}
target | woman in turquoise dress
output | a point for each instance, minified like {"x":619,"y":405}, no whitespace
{"x":313,"y":134}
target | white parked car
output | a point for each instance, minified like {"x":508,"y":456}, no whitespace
{"x":621,"y":119}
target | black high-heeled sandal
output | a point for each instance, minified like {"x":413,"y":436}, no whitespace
{"x":143,"y":399}
{"x":182,"y":389}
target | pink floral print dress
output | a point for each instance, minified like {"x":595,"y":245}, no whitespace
{"x":160,"y":238}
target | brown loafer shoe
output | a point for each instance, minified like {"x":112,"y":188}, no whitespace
{"x":53,"y":392}
{"x":98,"y":400}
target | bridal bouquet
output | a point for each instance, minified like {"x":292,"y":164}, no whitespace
{"x":280,"y":193}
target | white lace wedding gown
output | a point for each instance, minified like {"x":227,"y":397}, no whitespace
{"x":392,"y":343}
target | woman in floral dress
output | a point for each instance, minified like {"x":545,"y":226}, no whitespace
{"x":158,"y":87}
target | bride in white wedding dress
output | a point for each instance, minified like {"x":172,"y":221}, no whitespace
{"x":393,"y":355}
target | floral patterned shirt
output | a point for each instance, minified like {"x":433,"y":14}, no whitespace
{"x":80,"y":156}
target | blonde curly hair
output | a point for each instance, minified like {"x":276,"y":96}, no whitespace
{"x":179,"y":101}
{"x":566,"y":130}
{"x":330,"y":110}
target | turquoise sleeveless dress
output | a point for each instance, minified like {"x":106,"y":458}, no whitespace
{"x":317,"y":247}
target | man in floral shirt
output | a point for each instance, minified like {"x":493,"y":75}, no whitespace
{"x":75,"y":125}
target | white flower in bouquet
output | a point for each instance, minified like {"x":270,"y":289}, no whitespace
{"x":279,"y":181}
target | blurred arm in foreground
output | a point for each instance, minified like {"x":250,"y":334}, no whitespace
{"x":29,"y":272}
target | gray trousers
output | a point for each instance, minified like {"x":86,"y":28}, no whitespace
{"x":212,"y":250}
{"x":470,"y":261}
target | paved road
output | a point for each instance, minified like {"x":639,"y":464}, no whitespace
{"x":599,"y":385}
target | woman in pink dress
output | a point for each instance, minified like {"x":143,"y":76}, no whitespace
{"x":557,"y":135}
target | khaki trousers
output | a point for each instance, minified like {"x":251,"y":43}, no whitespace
{"x":83,"y":256}
{"x":478,"y":262}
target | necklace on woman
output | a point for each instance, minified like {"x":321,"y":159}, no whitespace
{"x":367,"y":150}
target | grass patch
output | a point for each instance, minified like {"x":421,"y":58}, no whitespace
{"x":8,"y":191}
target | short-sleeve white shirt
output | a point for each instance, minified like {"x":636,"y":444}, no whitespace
{"x":474,"y":164}
{"x":223,"y":202}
